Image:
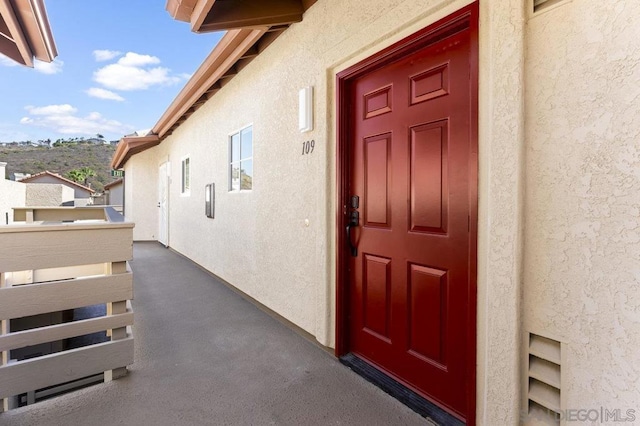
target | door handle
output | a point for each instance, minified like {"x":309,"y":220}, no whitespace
{"x":353,"y":221}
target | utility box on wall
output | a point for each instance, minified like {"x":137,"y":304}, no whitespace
{"x":210,"y":200}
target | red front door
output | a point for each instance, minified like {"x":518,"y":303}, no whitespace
{"x":412,"y":168}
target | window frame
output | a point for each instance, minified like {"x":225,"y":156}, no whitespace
{"x":240,"y":160}
{"x":185,"y":190}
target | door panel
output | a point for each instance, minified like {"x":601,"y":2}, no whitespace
{"x":376,"y":168}
{"x":428,"y":181}
{"x":377,"y":296}
{"x":410,"y":148}
{"x":427,"y":294}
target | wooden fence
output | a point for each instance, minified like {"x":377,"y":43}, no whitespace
{"x":60,"y":266}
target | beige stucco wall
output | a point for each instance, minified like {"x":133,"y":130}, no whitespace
{"x":49,"y":194}
{"x":141,"y":195}
{"x":582,"y":240}
{"x":12,"y":194}
{"x":259,"y":240}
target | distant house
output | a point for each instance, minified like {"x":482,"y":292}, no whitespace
{"x":24,"y":194}
{"x":82,"y":194}
{"x":114,"y":193}
{"x":13,"y":195}
{"x":19,"y":176}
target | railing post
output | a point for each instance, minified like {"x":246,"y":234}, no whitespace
{"x":4,"y":329}
{"x":116,"y":308}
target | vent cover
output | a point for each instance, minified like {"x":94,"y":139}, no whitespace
{"x":544,"y":378}
{"x":543,"y":4}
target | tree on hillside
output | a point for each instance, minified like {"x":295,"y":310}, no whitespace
{"x":81,"y":175}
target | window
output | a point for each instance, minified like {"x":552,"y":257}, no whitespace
{"x":241,"y":160}
{"x":185,"y":177}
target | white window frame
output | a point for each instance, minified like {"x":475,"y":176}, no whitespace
{"x":185,"y":177}
{"x":230,"y":161}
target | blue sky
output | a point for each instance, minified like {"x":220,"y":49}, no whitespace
{"x":120,"y":64}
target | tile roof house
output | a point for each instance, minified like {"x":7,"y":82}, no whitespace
{"x":82,"y":194}
{"x":115,"y":192}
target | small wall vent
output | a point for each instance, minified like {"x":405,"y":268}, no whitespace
{"x":539,"y":5}
{"x":544,"y":379}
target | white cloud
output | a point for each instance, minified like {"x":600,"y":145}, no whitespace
{"x":64,"y":119}
{"x":121,"y":77}
{"x":54,"y":67}
{"x":51,"y":109}
{"x":132,"y":59}
{"x":97,"y":92}
{"x":132,"y":72}
{"x":4,"y":61}
{"x":105,"y":55}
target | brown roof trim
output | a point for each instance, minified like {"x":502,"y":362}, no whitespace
{"x":114,"y":183}
{"x":25,"y":32}
{"x":231,"y":47}
{"x":204,"y":82}
{"x":212,"y":15}
{"x":234,"y":51}
{"x":180,"y":10}
{"x":57,"y":176}
{"x":131,"y":145}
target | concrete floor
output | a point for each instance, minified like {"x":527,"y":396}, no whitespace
{"x":205,"y":356}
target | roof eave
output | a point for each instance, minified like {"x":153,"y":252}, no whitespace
{"x":129,"y":146}
{"x":26,"y":32}
{"x":234,"y":51}
{"x":209,"y":15}
{"x":231,"y":47}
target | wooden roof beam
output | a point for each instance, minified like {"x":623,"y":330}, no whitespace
{"x":229,"y":14}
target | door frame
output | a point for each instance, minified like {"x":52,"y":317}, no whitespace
{"x":465,"y":18}
{"x":166,"y":177}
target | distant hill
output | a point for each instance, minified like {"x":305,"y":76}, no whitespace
{"x":61,"y":159}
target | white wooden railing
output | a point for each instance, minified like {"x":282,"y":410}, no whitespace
{"x":59,"y":260}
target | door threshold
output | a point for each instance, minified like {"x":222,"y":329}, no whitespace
{"x":400,"y":392}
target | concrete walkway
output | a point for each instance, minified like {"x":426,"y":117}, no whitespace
{"x":205,"y":356}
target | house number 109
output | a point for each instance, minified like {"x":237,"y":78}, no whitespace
{"x":307,"y":147}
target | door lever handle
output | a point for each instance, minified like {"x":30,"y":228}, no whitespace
{"x":352,"y":248}
{"x":353,"y":221}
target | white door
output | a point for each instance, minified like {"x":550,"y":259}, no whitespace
{"x":163,"y":204}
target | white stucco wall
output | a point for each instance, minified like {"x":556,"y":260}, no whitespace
{"x":49,"y":194}
{"x":141,"y":194}
{"x":12,"y":194}
{"x":582,"y":240}
{"x":259,"y":241}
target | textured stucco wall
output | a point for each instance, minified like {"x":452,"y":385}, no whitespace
{"x":259,"y":240}
{"x":12,"y":194}
{"x":141,"y":195}
{"x":500,"y":210}
{"x":582,"y":241}
{"x":48,"y":194}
